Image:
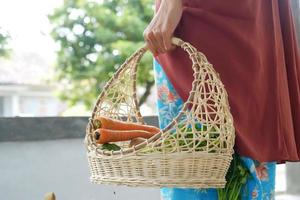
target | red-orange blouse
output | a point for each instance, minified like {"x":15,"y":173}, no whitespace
{"x":252,"y":45}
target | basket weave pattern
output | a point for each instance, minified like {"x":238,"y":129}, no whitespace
{"x":194,"y":150}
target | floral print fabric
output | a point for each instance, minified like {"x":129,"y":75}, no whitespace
{"x":261,"y":184}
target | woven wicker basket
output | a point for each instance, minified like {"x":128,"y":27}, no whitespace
{"x":194,"y":150}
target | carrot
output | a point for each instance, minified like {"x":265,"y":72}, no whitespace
{"x":114,"y":124}
{"x":106,"y":135}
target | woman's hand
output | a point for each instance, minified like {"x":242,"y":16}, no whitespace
{"x":159,"y":32}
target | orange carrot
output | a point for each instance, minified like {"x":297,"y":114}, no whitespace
{"x":106,"y":135}
{"x":114,"y":124}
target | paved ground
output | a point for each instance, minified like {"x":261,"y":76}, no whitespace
{"x":30,"y":169}
{"x":287,"y":197}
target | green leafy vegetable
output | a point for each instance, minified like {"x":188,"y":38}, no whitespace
{"x":184,"y":137}
{"x":236,"y":178}
{"x":110,"y":147}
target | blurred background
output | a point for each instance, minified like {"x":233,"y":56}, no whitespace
{"x":55,"y":56}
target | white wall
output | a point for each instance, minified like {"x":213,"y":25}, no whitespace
{"x":29,"y":101}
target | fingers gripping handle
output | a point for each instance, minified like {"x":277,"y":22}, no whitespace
{"x":176,"y":41}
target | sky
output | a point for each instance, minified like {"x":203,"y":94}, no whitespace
{"x":27,"y":23}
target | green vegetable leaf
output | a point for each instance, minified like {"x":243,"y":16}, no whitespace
{"x":110,"y":147}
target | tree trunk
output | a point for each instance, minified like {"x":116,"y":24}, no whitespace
{"x":149,"y":85}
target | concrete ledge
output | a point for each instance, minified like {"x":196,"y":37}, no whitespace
{"x":47,"y":128}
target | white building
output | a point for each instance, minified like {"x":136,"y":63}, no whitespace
{"x":23,"y":87}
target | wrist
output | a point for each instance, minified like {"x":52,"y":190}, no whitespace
{"x":171,"y":4}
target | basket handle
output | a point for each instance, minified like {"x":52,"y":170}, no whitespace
{"x":138,"y":54}
{"x":175,"y":40}
{"x":195,"y":57}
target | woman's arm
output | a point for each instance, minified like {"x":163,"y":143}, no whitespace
{"x":160,"y":30}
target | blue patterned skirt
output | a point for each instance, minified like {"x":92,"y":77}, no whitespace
{"x":260,"y":185}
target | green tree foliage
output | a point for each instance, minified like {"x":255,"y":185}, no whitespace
{"x":95,"y":37}
{"x":4,"y":48}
